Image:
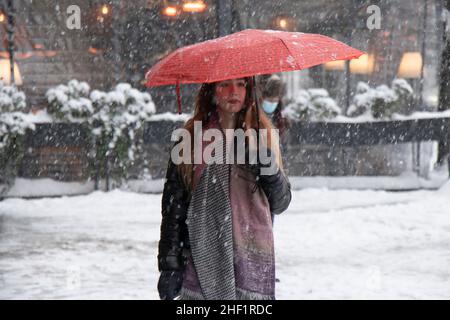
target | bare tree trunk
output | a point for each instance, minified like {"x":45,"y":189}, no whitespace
{"x":10,"y":29}
{"x":444,"y":94}
{"x":224,"y":9}
{"x":117,"y":39}
{"x":444,"y":88}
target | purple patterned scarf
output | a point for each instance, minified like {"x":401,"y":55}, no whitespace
{"x":252,"y":237}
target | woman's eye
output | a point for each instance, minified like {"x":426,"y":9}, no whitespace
{"x":228,"y":84}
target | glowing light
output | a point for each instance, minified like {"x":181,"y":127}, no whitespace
{"x":335,"y":65}
{"x":283,"y":23}
{"x":365,"y":64}
{"x":105,"y":10}
{"x":93,"y":50}
{"x":17,"y":55}
{"x":410,"y":65}
{"x":194,"y":6}
{"x":170,"y":11}
{"x":5,"y":73}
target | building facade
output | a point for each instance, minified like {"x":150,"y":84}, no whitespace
{"x":105,"y":42}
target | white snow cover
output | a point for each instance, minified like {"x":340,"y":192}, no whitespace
{"x":40,"y":116}
{"x":401,"y":85}
{"x":422,"y":115}
{"x":11,"y":99}
{"x":121,"y":112}
{"x":170,"y":116}
{"x":313,"y":105}
{"x":382,"y":92}
{"x":12,"y":123}
{"x":12,"y":119}
{"x":407,"y":181}
{"x":395,"y":116}
{"x":329,"y":245}
{"x":48,"y":187}
{"x":71,"y":101}
{"x":366,"y":99}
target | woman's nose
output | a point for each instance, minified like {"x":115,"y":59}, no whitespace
{"x":234,"y":87}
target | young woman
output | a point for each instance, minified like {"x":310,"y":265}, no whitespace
{"x":216,"y":230}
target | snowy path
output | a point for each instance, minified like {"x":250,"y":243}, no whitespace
{"x":329,"y":244}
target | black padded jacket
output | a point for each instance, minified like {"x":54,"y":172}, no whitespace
{"x":175,"y":202}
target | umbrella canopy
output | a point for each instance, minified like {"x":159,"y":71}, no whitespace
{"x":244,"y":54}
{"x":247,"y":53}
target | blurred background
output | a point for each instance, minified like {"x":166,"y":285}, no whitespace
{"x":104,"y":43}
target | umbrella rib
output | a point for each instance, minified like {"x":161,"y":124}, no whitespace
{"x":290,"y":53}
{"x":217,"y":59}
{"x":287,"y":48}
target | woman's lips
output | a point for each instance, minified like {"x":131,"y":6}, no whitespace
{"x":233,"y":101}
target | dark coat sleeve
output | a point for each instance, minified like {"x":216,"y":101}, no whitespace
{"x":278,"y":191}
{"x":174,"y":234}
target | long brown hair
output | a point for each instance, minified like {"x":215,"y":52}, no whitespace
{"x":205,"y":106}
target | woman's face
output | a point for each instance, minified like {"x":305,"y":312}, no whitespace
{"x":230,"y":95}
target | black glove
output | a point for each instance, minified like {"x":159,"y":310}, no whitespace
{"x":255,"y":164}
{"x":169,"y":284}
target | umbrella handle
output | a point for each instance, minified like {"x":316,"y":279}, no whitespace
{"x":177,"y":88}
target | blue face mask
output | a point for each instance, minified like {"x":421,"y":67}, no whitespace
{"x":269,"y":107}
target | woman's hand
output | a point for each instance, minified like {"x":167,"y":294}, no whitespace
{"x":261,"y":167}
{"x":169,"y":284}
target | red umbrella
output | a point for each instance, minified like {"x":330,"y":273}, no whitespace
{"x":244,"y":54}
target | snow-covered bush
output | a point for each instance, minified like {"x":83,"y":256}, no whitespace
{"x":312,"y":105}
{"x":11,"y":99}
{"x":13,"y":122}
{"x":405,"y":96}
{"x":13,"y":125}
{"x":115,"y":120}
{"x":70,"y":102}
{"x":118,"y":123}
{"x":382,"y":101}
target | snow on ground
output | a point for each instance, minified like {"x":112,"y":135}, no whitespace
{"x":408,"y":180}
{"x":330,"y":244}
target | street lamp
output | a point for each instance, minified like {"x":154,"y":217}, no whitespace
{"x":2,"y":17}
